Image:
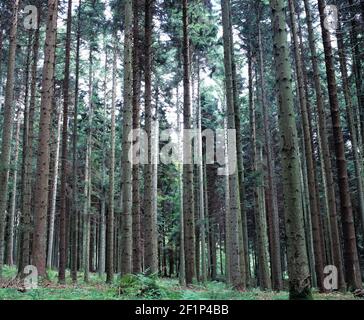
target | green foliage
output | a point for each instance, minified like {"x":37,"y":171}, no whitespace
{"x":141,"y":286}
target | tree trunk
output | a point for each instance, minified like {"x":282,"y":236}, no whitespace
{"x":271,"y":189}
{"x":75,"y":211}
{"x":327,"y":166}
{"x":357,"y":63}
{"x":41,"y":189}
{"x":87,"y":210}
{"x":237,"y":278}
{"x":298,"y":270}
{"x":7,"y":128}
{"x":202,"y":200}
{"x":54,"y":186}
{"x":211,"y":203}
{"x":62,"y":224}
{"x":182,"y":269}
{"x":126,"y":215}
{"x":351,"y":261}
{"x":311,"y":170}
{"x":351,"y":123}
{"x":242,"y":218}
{"x":150,"y":239}
{"x":110,"y":218}
{"x":102,"y":224}
{"x":188,"y":196}
{"x":137,"y":264}
{"x":26,"y":187}
{"x":1,"y":53}
{"x":10,"y":244}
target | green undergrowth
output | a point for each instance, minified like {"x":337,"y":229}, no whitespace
{"x":140,"y":287}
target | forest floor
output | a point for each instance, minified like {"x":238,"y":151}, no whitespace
{"x":139,"y":287}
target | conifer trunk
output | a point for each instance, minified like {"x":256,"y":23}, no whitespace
{"x":7,"y":128}
{"x":298,"y":270}
{"x":351,"y":261}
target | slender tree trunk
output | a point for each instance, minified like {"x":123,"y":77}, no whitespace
{"x":41,"y":189}
{"x":54,"y":186}
{"x":237,"y":278}
{"x":242,"y":218}
{"x":351,"y":260}
{"x":259,"y":205}
{"x":307,"y":218}
{"x":110,"y":217}
{"x":150,"y":239}
{"x":13,"y":214}
{"x":188,"y":196}
{"x":10,"y":243}
{"x":211,"y":203}
{"x":357,"y":62}
{"x":202,"y":199}
{"x":137,"y":264}
{"x":62,"y":224}
{"x":1,"y":53}
{"x":102,"y":240}
{"x":298,"y":270}
{"x":75,"y":211}
{"x":87,"y":210}
{"x":207,"y":225}
{"x":182,"y":269}
{"x":351,"y":123}
{"x":227,"y":239}
{"x":126,"y":215}
{"x":271,"y":191}
{"x":311,"y":170}
{"x":86,"y":217}
{"x":327,"y":166}
{"x":7,"y":127}
{"x":26,"y":187}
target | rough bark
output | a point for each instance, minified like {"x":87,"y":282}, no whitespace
{"x":271,"y":189}
{"x":7,"y":127}
{"x":236,"y":277}
{"x":325,"y":150}
{"x":10,"y":243}
{"x":182,"y":269}
{"x":357,"y":56}
{"x":242,"y":217}
{"x":311,"y":170}
{"x":351,"y":123}
{"x":352,"y":268}
{"x":126,"y":214}
{"x":188,"y":196}
{"x":63,"y":217}
{"x":298,"y":270}
{"x":26,"y":188}
{"x":137,"y":263}
{"x":202,"y":199}
{"x":42,"y":172}
{"x":53,"y":193}
{"x":110,"y":218}
{"x":75,"y":211}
